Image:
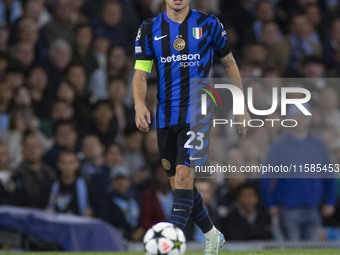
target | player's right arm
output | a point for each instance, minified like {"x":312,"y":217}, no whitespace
{"x":139,"y":85}
{"x":143,"y":66}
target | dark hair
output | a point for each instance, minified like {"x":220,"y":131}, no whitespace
{"x":244,"y":186}
{"x":60,"y":101}
{"x":257,"y":5}
{"x":60,"y":123}
{"x":63,"y":152}
{"x":294,"y":15}
{"x":312,"y":59}
{"x":100,"y":103}
{"x":117,"y":78}
{"x":75,"y":64}
{"x":111,"y":2}
{"x":81,"y":26}
{"x":27,"y":134}
{"x":119,"y":146}
{"x":15,"y":68}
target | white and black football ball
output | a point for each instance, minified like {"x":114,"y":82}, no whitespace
{"x":164,"y":239}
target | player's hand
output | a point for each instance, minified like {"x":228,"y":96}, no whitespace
{"x":242,"y":130}
{"x":327,"y":211}
{"x":143,"y":118}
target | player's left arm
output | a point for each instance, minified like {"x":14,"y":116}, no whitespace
{"x":233,"y":73}
{"x":221,"y":47}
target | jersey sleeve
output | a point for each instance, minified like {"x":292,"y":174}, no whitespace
{"x":220,"y":41}
{"x":143,"y":52}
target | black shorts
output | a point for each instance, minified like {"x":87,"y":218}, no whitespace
{"x":179,"y":146}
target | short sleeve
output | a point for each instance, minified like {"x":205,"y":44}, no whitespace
{"x":220,"y":41}
{"x":142,"y":46}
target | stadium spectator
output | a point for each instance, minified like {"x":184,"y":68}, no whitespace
{"x":255,"y":55}
{"x":35,"y":10}
{"x":66,"y":92}
{"x":296,"y":201}
{"x":328,"y":107}
{"x":65,"y":139}
{"x":117,"y":90}
{"x":332,"y":44}
{"x":10,"y":11}
{"x":7,"y":184}
{"x":35,"y":13}
{"x":77,"y":16}
{"x":117,"y":65}
{"x":101,"y":46}
{"x":76,"y":76}
{"x":245,"y":219}
{"x":70,"y":193}
{"x":24,"y":55}
{"x":14,"y":77}
{"x":240,"y":14}
{"x":264,"y":13}
{"x":92,"y":156}
{"x":291,"y":49}
{"x":103,"y":123}
{"x":82,"y":48}
{"x":22,"y":120}
{"x":114,"y":156}
{"x":61,"y":25}
{"x":251,"y":152}
{"x":156,"y":200}
{"x":110,"y":25}
{"x":123,"y":210}
{"x":150,"y":148}
{"x":134,"y":158}
{"x":37,"y":84}
{"x":313,"y":67}
{"x":60,"y":110}
{"x":28,"y":31}
{"x":270,"y":34}
{"x":60,"y":54}
{"x":33,"y":177}
{"x":226,"y":193}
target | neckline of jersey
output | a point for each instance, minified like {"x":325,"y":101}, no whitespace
{"x":170,"y":20}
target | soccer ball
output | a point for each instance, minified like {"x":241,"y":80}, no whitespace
{"x":164,"y":239}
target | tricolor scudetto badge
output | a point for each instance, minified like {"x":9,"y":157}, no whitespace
{"x":197,"y":32}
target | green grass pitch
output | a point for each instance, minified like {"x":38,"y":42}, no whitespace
{"x":273,"y":252}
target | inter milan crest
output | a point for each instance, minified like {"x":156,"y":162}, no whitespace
{"x":197,"y":32}
{"x":179,"y":44}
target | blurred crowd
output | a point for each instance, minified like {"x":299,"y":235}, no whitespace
{"x":69,"y":144}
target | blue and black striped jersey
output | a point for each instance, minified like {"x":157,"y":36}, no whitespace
{"x":180,"y":52}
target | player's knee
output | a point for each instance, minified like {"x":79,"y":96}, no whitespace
{"x":183,"y":179}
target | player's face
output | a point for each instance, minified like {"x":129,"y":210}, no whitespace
{"x":177,"y":5}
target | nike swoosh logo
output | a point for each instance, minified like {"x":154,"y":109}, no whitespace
{"x":159,"y":38}
{"x":192,"y":158}
{"x":179,"y":210}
